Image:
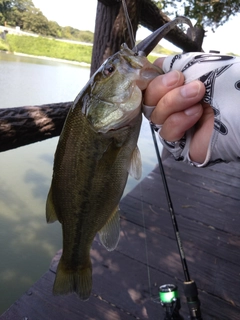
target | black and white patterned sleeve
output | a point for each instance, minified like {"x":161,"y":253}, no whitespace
{"x":221,"y":76}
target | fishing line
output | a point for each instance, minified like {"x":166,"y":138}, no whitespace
{"x":171,"y":209}
{"x":190,"y":287}
{"x":146,"y":245}
{"x":129,"y":24}
{"x":132,"y":39}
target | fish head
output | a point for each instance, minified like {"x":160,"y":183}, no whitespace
{"x":114,"y":95}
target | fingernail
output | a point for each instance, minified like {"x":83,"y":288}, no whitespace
{"x":192,"y":111}
{"x":190,"y":90}
{"x":171,"y":78}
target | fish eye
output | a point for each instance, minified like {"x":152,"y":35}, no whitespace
{"x":108,"y":70}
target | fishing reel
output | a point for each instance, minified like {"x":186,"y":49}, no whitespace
{"x":170,"y":301}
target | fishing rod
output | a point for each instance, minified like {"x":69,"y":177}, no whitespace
{"x":168,"y":293}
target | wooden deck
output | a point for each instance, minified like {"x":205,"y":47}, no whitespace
{"x":126,"y":281}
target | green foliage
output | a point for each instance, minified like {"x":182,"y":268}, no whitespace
{"x":35,"y":21}
{"x":13,"y":11}
{"x":75,"y":34}
{"x":161,"y":50}
{"x":3,"y":45}
{"x":50,"y":48}
{"x":23,"y":13}
{"x":213,"y":13}
{"x":152,"y":58}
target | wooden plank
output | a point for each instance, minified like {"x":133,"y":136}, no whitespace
{"x":231,"y":169}
{"x":154,"y":311}
{"x":39,"y":304}
{"x":208,"y":239}
{"x":221,"y":183}
{"x":194,"y":203}
{"x":206,"y":268}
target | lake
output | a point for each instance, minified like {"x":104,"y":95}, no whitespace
{"x":27,"y":243}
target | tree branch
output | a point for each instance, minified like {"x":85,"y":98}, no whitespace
{"x":24,"y":125}
{"x":152,"y":18}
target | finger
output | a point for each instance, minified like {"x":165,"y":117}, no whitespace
{"x":159,"y":62}
{"x":202,"y":135}
{"x":161,"y":85}
{"x":178,"y":123}
{"x":179,"y":99}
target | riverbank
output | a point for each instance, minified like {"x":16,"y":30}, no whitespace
{"x":49,"y":48}
{"x":81,"y":64}
{"x":52,"y":49}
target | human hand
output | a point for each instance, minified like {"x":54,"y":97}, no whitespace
{"x":178,"y":108}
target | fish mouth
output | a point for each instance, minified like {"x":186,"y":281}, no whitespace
{"x":148,"y":44}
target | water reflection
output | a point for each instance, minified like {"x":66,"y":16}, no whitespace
{"x":27,"y":243}
{"x":38,"y":181}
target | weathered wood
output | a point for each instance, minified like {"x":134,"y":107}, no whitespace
{"x":111,"y":29}
{"x":126,"y":281}
{"x":24,"y":125}
{"x":105,"y":18}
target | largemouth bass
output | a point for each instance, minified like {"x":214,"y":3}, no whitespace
{"x":97,"y":149}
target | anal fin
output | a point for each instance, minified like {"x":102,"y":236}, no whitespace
{"x":109,"y":234}
{"x":135,"y":169}
{"x":51,"y":215}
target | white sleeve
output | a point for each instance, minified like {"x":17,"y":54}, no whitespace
{"x":221,"y":76}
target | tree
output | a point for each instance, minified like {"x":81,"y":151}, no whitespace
{"x":5,"y":7}
{"x":54,"y":30}
{"x":212,"y":13}
{"x":33,"y":20}
{"x":12,"y":11}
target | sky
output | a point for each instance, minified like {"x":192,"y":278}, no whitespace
{"x":81,"y":15}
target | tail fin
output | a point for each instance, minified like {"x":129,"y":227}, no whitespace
{"x":79,"y":281}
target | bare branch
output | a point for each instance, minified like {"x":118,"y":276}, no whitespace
{"x":24,"y":125}
{"x":153,"y":18}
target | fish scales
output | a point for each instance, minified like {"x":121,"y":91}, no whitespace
{"x":105,"y":176}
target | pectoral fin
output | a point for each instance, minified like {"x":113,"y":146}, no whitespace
{"x":109,"y":234}
{"x":135,"y":169}
{"x":50,"y":210}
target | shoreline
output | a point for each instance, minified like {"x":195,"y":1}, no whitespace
{"x":81,"y":64}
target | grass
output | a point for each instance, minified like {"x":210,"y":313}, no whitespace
{"x":3,"y":45}
{"x":40,"y":46}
